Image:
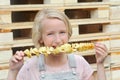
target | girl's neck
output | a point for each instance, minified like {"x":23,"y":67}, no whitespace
{"x":56,"y":60}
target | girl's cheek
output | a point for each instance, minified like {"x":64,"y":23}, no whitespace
{"x":51,"y":38}
{"x":65,"y":39}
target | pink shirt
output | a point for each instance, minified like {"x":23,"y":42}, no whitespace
{"x":30,"y":70}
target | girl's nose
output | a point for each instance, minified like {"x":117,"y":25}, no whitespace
{"x":58,"y":39}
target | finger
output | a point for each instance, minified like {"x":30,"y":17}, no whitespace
{"x":100,"y":56}
{"x":14,"y":60}
{"x":102,"y":49}
{"x":101,"y":46}
{"x":17,"y":57}
{"x":22,"y":53}
{"x":18,"y":53}
{"x":100,"y":53}
{"x":99,"y":49}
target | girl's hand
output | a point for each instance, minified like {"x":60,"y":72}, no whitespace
{"x":16,"y":61}
{"x":101,"y":52}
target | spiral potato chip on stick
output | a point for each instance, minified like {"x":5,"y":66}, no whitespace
{"x":46,"y":50}
{"x":34,"y":51}
{"x":27,"y":52}
{"x":66,"y":48}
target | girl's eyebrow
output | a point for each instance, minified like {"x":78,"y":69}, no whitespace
{"x":48,"y":31}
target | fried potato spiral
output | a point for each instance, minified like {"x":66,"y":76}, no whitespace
{"x":66,"y":48}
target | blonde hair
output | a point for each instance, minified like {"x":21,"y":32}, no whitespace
{"x":47,"y":14}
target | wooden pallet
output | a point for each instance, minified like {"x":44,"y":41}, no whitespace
{"x":115,"y":71}
{"x":99,"y":14}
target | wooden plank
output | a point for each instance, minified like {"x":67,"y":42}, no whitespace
{"x":5,"y":30}
{"x":115,"y":12}
{"x":111,"y":28}
{"x":6,"y":37}
{"x":32,"y":7}
{"x":4,"y":48}
{"x":114,"y":50}
{"x":5,"y":18}
{"x":4,"y":2}
{"x":115,"y":41}
{"x":93,"y":36}
{"x":3,"y":71}
{"x":4,"y":12}
{"x":88,"y":37}
{"x":94,"y":66}
{"x":89,"y":21}
{"x":115,"y":71}
{"x":100,"y":13}
{"x":4,"y":66}
{"x":115,"y":21}
{"x":115,"y":65}
{"x":56,"y":6}
{"x":20,"y":25}
{"x":3,"y":74}
{"x":70,"y":1}
{"x":75,"y":30}
{"x":115,"y":58}
{"x":53,"y":2}
{"x":115,"y":74}
{"x":5,"y":55}
{"x":114,"y":3}
{"x":88,"y":3}
{"x":16,"y":43}
{"x":111,"y":0}
{"x":22,"y":42}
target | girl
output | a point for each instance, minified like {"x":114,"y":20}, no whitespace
{"x":52,"y":28}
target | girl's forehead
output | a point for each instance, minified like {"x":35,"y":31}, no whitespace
{"x":52,"y":22}
{"x":49,"y":24}
{"x":51,"y":19}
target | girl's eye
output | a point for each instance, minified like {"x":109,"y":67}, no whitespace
{"x":62,"y":32}
{"x":49,"y":33}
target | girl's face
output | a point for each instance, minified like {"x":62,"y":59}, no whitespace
{"x":54,"y":33}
